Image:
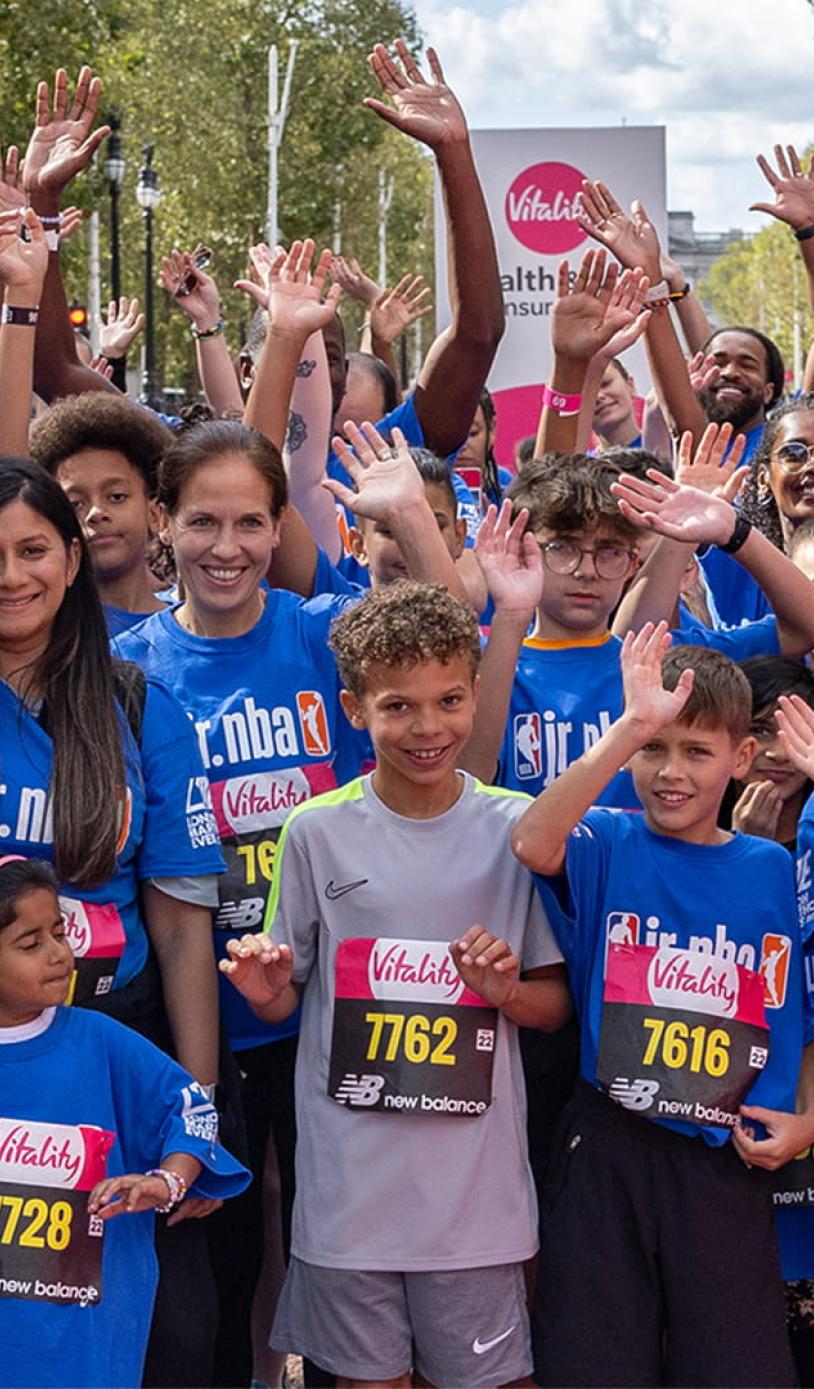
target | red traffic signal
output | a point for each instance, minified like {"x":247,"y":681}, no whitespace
{"x":78,"y":316}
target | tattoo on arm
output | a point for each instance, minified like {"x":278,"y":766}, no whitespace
{"x":297,"y":432}
{"x":306,"y":367}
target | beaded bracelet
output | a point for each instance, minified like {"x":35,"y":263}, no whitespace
{"x":206,"y":332}
{"x":176,"y":1186}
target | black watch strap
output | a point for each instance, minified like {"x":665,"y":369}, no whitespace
{"x":738,"y":536}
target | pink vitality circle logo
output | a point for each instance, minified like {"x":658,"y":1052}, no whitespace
{"x":540,"y":208}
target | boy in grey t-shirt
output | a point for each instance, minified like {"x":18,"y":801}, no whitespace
{"x":415,"y":1206}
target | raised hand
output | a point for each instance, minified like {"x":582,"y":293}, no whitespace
{"x":633,"y":240}
{"x":201,"y":303}
{"x":757,"y":810}
{"x":23,"y":264}
{"x":792,"y":187}
{"x":350,"y":277}
{"x":294,"y":293}
{"x":12,"y":197}
{"x":709,"y":468}
{"x":487,"y":965}
{"x":124,"y":323}
{"x":647,"y":703}
{"x":598,"y":305}
{"x":70,"y":222}
{"x":102,"y":366}
{"x":387,"y":480}
{"x":395,"y":309}
{"x":63,"y":142}
{"x":511,"y":561}
{"x":259,"y":969}
{"x":680,"y":513}
{"x":703,"y":371}
{"x":795,"y":719}
{"x":425,"y":110}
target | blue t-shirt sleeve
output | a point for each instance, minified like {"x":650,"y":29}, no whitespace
{"x":162,"y":1110}
{"x":180,"y":836}
{"x":405,"y":418}
{"x":752,"y":639}
{"x":330,"y":578}
{"x":573,"y":902}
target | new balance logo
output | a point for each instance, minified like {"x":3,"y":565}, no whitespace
{"x":633,"y":1094}
{"x":333,"y":893}
{"x":359,"y":1090}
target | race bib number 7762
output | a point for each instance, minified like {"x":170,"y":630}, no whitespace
{"x":409,"y":1037}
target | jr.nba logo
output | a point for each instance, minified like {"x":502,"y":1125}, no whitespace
{"x":621,"y":928}
{"x":528,"y":754}
{"x":313,"y":723}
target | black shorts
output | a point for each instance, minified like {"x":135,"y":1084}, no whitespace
{"x":659,"y":1260}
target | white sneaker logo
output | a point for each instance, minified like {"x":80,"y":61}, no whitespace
{"x":480,"y":1347}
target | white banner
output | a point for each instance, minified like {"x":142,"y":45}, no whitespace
{"x":530,"y":178}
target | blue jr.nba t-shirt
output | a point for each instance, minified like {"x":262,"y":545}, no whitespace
{"x":565,"y":696}
{"x":167,"y":830}
{"x":272,"y":734}
{"x":685,"y":967}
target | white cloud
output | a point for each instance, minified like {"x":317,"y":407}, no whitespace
{"x":728,"y":78}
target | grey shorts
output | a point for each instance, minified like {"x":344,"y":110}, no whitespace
{"x":459,"y":1327}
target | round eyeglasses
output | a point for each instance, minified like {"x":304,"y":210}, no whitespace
{"x":565,"y":557}
{"x":793,"y":455}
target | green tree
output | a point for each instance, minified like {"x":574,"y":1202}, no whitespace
{"x":196,"y":88}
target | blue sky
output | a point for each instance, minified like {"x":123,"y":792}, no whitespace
{"x":728,"y":78}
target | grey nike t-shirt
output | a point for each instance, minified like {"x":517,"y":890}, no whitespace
{"x":369,"y":902}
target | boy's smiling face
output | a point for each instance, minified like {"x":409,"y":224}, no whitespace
{"x":579,"y":604}
{"x":418,"y":718}
{"x":681,"y":775}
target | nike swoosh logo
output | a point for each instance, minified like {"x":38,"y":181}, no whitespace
{"x":480,"y":1347}
{"x":333,"y":893}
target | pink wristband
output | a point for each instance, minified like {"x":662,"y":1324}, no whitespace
{"x":561,"y":404}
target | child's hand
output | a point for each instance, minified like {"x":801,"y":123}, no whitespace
{"x":511,"y":561}
{"x":259,"y":969}
{"x":647,"y":703}
{"x":796,"y":722}
{"x":757,"y":810}
{"x":487,"y":965}
{"x":788,"y":1134}
{"x":127,"y":1195}
{"x":680,"y":513}
{"x":706,"y":469}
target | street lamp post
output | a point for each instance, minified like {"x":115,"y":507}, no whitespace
{"x":148,"y":195}
{"x":114,"y":173}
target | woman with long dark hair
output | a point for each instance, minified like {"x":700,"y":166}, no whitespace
{"x":100,"y":774}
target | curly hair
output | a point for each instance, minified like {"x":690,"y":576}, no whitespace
{"x":403,"y":624}
{"x":758,"y":506}
{"x":567,"y":492}
{"x":96,"y":420}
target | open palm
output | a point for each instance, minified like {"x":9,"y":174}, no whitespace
{"x":63,"y":142}
{"x":427,"y":111}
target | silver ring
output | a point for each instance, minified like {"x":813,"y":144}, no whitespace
{"x":385,"y":454}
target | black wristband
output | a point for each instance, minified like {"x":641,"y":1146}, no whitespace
{"x":22,"y":317}
{"x":738,"y":536}
{"x":805,"y":233}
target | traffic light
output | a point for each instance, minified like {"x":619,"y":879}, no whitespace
{"x":78,"y":316}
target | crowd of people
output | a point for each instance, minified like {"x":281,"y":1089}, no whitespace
{"x":406,"y":884}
